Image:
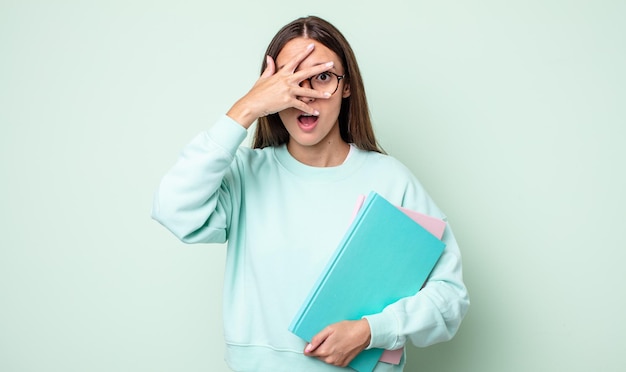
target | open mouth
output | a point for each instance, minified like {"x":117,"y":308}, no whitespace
{"x":307,"y":122}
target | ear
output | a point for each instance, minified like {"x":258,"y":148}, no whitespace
{"x":345,"y":92}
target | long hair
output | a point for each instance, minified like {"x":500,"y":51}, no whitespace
{"x":355,"y":124}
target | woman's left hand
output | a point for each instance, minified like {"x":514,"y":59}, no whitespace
{"x":339,"y":343}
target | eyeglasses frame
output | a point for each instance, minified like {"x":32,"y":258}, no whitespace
{"x":339,"y":78}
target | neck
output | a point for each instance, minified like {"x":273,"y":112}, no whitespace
{"x":329,"y":153}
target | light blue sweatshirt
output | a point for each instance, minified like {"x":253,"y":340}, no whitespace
{"x":283,"y":220}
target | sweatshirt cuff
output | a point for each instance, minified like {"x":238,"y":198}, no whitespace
{"x":227,"y":134}
{"x":383,"y":328}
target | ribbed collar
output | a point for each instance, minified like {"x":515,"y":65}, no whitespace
{"x":321,"y":174}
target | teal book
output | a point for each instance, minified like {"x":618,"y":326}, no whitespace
{"x":384,"y":256}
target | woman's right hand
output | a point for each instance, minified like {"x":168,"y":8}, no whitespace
{"x":277,"y":90}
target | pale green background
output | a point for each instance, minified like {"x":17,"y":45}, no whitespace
{"x":511,"y":113}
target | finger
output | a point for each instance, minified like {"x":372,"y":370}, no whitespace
{"x":270,"y":67}
{"x":310,"y":93}
{"x":311,"y":71}
{"x":299,"y":105}
{"x":317,"y":340}
{"x":291,"y":65}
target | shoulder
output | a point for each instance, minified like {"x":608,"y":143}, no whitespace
{"x":384,"y":163}
{"x":398,"y":183}
{"x":249,"y":157}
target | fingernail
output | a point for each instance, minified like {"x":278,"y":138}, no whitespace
{"x":330,"y":64}
{"x":327,"y":95}
{"x":308,"y":348}
{"x":316,"y":113}
{"x":310,"y":46}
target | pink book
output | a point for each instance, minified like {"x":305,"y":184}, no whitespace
{"x":434,"y":226}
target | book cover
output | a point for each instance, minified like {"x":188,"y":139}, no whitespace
{"x":383,"y":257}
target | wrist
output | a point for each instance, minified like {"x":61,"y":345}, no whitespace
{"x":242,"y":114}
{"x":366,"y":332}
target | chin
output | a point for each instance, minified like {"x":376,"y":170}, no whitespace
{"x":304,"y":142}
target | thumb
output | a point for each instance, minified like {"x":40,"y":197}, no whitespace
{"x":317,"y":340}
{"x":270,"y":67}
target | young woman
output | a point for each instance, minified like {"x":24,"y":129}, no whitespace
{"x":284,"y":205}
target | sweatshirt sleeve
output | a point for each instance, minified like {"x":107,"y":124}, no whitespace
{"x":435,"y":313}
{"x":196,"y":197}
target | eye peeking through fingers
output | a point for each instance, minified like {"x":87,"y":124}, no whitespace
{"x":326,"y":81}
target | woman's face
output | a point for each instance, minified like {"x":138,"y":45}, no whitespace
{"x":308,"y":132}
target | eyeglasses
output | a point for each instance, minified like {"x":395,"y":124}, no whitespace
{"x":325,"y":82}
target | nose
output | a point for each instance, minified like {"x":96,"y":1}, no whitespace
{"x":306,"y":83}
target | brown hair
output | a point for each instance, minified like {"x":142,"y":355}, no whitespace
{"x":355,"y":125}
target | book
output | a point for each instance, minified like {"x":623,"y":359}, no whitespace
{"x":383,"y":256}
{"x":433,"y":225}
